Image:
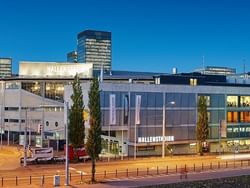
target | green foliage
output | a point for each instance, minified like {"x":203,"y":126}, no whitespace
{"x":202,"y":130}
{"x":94,"y":145}
{"x":76,"y":121}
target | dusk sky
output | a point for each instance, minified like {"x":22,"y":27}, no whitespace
{"x":147,"y":35}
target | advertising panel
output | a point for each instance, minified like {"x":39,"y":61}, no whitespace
{"x":112,"y":110}
{"x":137,"y":109}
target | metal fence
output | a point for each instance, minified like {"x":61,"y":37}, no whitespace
{"x":78,"y":178}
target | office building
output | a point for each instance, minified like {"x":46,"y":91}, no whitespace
{"x":5,"y":67}
{"x":72,"y":57}
{"x":95,"y":47}
{"x":215,"y":70}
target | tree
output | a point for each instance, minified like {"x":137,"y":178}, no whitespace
{"x":94,"y":146}
{"x":76,"y":121}
{"x":202,"y":130}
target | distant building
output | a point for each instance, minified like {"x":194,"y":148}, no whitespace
{"x":5,"y":67}
{"x":94,"y":47}
{"x":217,"y":70}
{"x":72,"y":57}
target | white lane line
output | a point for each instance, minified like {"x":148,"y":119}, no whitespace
{"x":81,"y":172}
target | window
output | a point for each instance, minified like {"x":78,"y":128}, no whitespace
{"x":245,"y":101}
{"x":11,"y":108}
{"x":245,"y":117}
{"x":232,"y":101}
{"x":247,"y":129}
{"x":232,"y":117}
{"x":13,"y":120}
{"x":193,"y":81}
{"x":33,"y":87}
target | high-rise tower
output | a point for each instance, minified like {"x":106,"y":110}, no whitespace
{"x":95,"y":47}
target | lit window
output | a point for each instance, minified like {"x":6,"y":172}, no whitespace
{"x":232,"y":101}
{"x":232,"y":117}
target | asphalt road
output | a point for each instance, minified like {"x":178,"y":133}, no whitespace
{"x":10,"y":169}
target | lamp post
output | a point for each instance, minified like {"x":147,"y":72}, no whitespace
{"x":164,"y":122}
{"x":67,"y":143}
{"x":25,"y":140}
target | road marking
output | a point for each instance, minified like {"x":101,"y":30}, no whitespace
{"x":81,"y":172}
{"x":72,"y":168}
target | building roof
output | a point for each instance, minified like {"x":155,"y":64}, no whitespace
{"x":95,"y":34}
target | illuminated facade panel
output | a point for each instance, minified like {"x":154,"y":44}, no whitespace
{"x":54,"y":69}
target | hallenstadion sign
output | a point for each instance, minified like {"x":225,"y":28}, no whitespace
{"x":54,"y":69}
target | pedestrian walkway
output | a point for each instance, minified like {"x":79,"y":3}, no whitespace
{"x":168,"y":179}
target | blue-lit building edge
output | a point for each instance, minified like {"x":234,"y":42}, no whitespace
{"x":180,"y":116}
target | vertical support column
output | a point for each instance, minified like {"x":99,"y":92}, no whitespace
{"x":135,"y":142}
{"x":2,"y":108}
{"x":8,"y":136}
{"x":43,"y":113}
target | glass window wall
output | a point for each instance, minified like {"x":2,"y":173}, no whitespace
{"x":232,"y":117}
{"x":245,"y":101}
{"x":245,"y":117}
{"x":232,"y":101}
{"x":33,"y":87}
{"x":54,"y":91}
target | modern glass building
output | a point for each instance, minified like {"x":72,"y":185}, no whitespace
{"x":95,"y":47}
{"x":141,"y":119}
{"x":5,"y":67}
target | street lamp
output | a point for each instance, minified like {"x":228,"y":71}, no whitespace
{"x":25,"y":139}
{"x":66,"y":104}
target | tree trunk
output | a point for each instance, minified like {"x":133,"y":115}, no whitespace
{"x":93,"y":170}
{"x":200,"y":152}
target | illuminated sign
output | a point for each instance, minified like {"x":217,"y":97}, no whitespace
{"x":54,"y":69}
{"x":155,"y":139}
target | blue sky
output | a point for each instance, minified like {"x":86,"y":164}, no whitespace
{"x":147,"y":35}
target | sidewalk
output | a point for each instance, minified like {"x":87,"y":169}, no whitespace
{"x":168,"y":179}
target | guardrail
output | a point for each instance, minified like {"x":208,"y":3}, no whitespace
{"x":78,"y":178}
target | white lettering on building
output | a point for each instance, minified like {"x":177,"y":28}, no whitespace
{"x":155,"y":139}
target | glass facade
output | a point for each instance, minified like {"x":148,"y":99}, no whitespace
{"x":51,"y":90}
{"x":180,"y":117}
{"x":33,"y":87}
{"x":54,"y":91}
{"x":95,"y":47}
